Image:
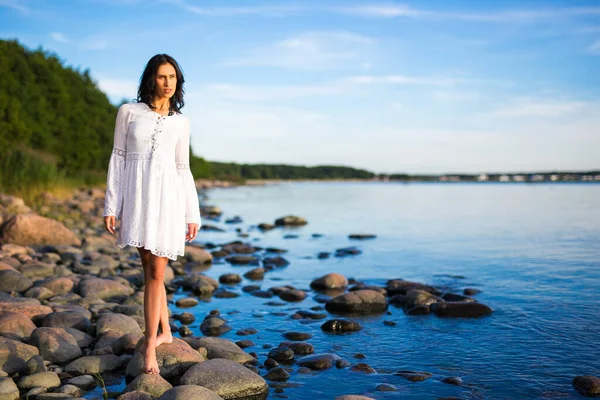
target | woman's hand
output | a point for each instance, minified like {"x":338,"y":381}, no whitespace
{"x":192,"y":232}
{"x":109,"y":223}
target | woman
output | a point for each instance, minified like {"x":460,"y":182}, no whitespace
{"x":150,"y":188}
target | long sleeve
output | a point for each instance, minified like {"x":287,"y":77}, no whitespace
{"x":113,"y":201}
{"x":182,"y":159}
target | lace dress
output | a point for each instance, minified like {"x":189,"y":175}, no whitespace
{"x":149,"y":186}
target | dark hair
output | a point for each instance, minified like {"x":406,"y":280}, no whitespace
{"x":147,"y":86}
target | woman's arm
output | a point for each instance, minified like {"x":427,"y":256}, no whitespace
{"x":113,"y":202}
{"x":182,"y":159}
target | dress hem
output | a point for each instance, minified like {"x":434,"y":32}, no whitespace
{"x":154,"y":250}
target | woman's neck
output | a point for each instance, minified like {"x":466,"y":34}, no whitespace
{"x":161,"y":104}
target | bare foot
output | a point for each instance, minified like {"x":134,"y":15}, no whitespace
{"x":150,"y":363}
{"x":164,"y":337}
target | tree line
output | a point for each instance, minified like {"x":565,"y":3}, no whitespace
{"x":56,"y":128}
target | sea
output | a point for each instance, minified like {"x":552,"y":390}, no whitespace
{"x":532,"y":249}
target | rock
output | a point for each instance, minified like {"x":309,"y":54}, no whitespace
{"x":255,"y":274}
{"x":61,"y":285}
{"x":186,"y":302}
{"x":460,"y":309}
{"x":32,"y":229}
{"x":297,"y":336}
{"x":126,"y":344}
{"x":16,"y":326}
{"x":83,"y":339}
{"x":120,"y":323}
{"x":34,"y":365}
{"x":243,"y":260}
{"x":452,"y":380}
{"x":53,"y":396}
{"x":398,"y":286}
{"x":196,"y":254}
{"x":386,"y":387}
{"x":311,"y":314}
{"x":71,"y":390}
{"x":290,"y":220}
{"x":281,"y":354}
{"x":299,"y":348}
{"x":31,"y":310}
{"x":14,"y":355}
{"x":46,"y":380}
{"x":318,"y":361}
{"x":364,"y":368}
{"x":292,"y":295}
{"x":275,"y":262}
{"x":214,"y":326}
{"x":358,"y":302}
{"x":418,"y":310}
{"x":418,"y":297}
{"x":93,"y":364}
{"x":189,"y":392}
{"x":174,"y":359}
{"x":85,"y":382}
{"x":226,"y":378}
{"x":245,"y":343}
{"x":39,"y":293}
{"x":14,"y":281}
{"x":361,"y":236}
{"x":347,"y":251}
{"x":277,"y":374}
{"x":330,"y":281}
{"x":8,"y":389}
{"x":455,"y":297}
{"x":413,"y":376}
{"x":587,"y":385}
{"x":55,"y":344}
{"x":220,"y":348}
{"x":67,"y":319}
{"x":136,"y":395}
{"x":37,"y":269}
{"x":103,"y":288}
{"x":230,"y":279}
{"x":154,"y":385}
{"x":223,"y":293}
{"x":341,"y":326}
{"x":471,"y":291}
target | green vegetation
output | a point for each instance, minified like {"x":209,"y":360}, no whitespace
{"x":56,"y":130}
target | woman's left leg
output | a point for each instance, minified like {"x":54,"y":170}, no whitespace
{"x":153,"y":298}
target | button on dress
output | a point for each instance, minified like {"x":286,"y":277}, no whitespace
{"x":149,"y":185}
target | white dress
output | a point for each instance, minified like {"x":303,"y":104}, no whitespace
{"x":149,"y":186}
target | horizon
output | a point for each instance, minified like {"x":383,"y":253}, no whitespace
{"x":389,"y":87}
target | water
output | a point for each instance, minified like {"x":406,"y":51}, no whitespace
{"x":533,"y":250}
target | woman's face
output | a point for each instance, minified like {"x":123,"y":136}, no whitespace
{"x":166,"y":81}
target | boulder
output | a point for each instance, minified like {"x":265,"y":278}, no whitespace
{"x":174,"y":359}
{"x":154,"y":385}
{"x":32,"y":229}
{"x":358,"y":302}
{"x":14,"y":355}
{"x":55,"y":344}
{"x":16,"y":326}
{"x":226,"y":378}
{"x":189,"y":392}
{"x":219,"y":348}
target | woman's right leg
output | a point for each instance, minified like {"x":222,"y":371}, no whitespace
{"x":165,"y":336}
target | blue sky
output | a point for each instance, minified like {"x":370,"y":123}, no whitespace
{"x":416,"y":86}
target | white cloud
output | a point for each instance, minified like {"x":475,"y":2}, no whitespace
{"x":117,"y":89}
{"x":94,"y":43}
{"x":310,"y":50}
{"x":15,"y":5}
{"x":403,"y":80}
{"x":535,"y":107}
{"x":380,"y":11}
{"x":595,"y":47}
{"x":59,"y":37}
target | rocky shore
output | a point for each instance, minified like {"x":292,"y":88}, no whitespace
{"x":71,"y":314}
